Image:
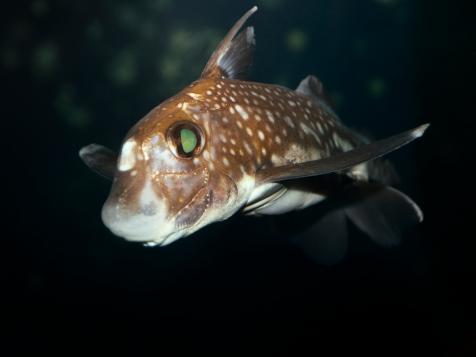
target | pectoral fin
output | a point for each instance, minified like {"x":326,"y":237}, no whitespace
{"x":341,"y":161}
{"x":100,"y":159}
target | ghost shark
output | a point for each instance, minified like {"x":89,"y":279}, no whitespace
{"x":225,"y":145}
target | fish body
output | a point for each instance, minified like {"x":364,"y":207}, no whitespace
{"x":224,"y":145}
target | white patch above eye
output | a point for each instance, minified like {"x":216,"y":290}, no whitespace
{"x":128,"y":159}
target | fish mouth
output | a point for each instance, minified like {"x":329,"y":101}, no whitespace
{"x":192,"y":212}
{"x":151,"y":224}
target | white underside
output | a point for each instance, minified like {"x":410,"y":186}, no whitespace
{"x":271,"y":199}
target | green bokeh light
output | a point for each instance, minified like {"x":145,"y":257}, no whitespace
{"x":123,"y":69}
{"x":45,"y":59}
{"x":70,"y":111}
{"x":376,"y":87}
{"x":296,"y":40}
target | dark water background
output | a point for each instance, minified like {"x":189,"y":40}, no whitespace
{"x":75,"y":72}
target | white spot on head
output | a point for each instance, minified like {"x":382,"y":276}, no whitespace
{"x":195,"y":96}
{"x":248,"y":148}
{"x":127,"y":159}
{"x":289,"y":121}
{"x":241,"y":111}
{"x":270,"y":116}
{"x":319,"y":127}
{"x":309,"y":131}
{"x":260,"y":135}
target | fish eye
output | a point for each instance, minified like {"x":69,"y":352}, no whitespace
{"x":185,"y":139}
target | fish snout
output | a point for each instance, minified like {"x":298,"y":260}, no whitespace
{"x":143,"y":219}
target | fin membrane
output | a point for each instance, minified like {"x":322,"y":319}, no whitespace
{"x":340,"y":161}
{"x":383,"y":213}
{"x":234,"y":55}
{"x":100,"y":159}
{"x":312,"y":87}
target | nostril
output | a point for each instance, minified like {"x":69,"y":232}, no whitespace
{"x":149,"y":209}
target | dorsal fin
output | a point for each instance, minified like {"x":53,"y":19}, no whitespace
{"x":233,"y":56}
{"x":313,"y":87}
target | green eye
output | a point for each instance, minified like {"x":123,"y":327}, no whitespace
{"x":188,"y":139}
{"x":185,"y":139}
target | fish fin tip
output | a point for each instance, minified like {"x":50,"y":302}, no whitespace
{"x":100,"y":159}
{"x":234,"y":54}
{"x":418,"y":132}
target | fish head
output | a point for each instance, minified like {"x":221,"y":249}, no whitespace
{"x":165,"y":184}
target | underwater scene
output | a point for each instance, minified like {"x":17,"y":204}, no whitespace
{"x":246,"y":178}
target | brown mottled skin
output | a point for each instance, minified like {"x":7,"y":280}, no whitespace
{"x":228,"y":135}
